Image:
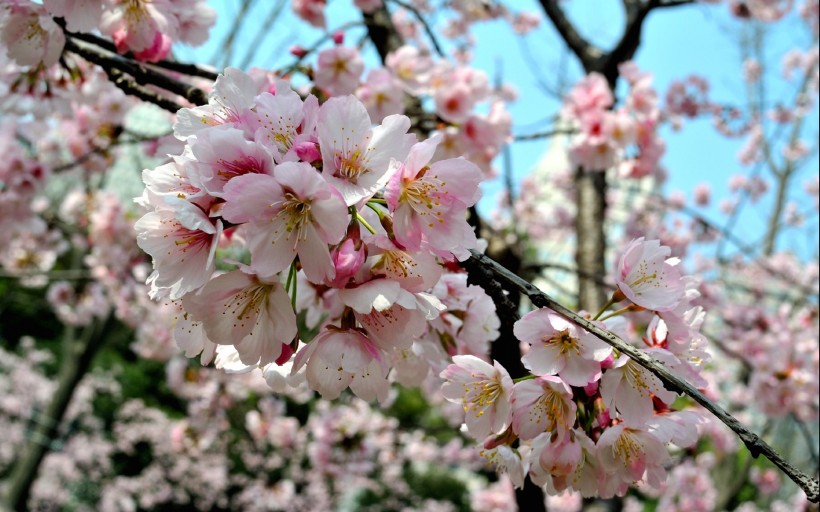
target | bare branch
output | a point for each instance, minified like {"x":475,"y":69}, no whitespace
{"x":117,"y":67}
{"x":179,"y":67}
{"x":430,"y":33}
{"x":583,"y":49}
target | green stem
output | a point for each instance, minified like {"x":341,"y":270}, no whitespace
{"x":610,"y":302}
{"x":525,"y":377}
{"x":364,"y":223}
{"x":614,"y":313}
{"x":291,"y":283}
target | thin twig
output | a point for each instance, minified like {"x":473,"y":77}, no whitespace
{"x":544,"y":135}
{"x":754,"y":444}
{"x":319,"y":42}
{"x":430,"y":33}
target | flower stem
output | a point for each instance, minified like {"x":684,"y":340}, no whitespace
{"x":364,"y":223}
{"x":616,"y":313}
{"x":525,"y":377}
{"x":610,"y":302}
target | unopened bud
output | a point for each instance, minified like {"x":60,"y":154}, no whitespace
{"x":298,"y":51}
{"x":307,"y":152}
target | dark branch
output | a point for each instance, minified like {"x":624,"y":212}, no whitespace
{"x":179,"y":67}
{"x":583,"y":49}
{"x":140,"y":74}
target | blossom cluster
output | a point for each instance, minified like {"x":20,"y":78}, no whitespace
{"x":455,"y":91}
{"x":626,"y":137}
{"x":147,"y":28}
{"x":220,"y":445}
{"x":587,"y":417}
{"x":321,"y":212}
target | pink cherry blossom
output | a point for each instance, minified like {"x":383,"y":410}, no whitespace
{"x":292,"y":212}
{"x":543,"y":404}
{"x":591,"y":94}
{"x":137,"y":24}
{"x":338,"y":358}
{"x":648,"y":277}
{"x":312,"y":11}
{"x":338,"y":70}
{"x":629,"y":388}
{"x":560,"y":347}
{"x":182,"y":243}
{"x":411,"y":66}
{"x":429,"y":203}
{"x":414,"y":271}
{"x":240,"y":309}
{"x":222,"y":153}
{"x":230,"y":102}
{"x":382,"y":94}
{"x":29,"y":35}
{"x":285,"y":122}
{"x":356,"y":157}
{"x":630,"y":454}
{"x":485,"y":392}
{"x":507,"y":460}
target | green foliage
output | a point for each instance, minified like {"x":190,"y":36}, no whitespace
{"x":439,"y":484}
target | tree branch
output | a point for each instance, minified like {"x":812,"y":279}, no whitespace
{"x":430,"y":33}
{"x":583,"y":49}
{"x":179,"y":67}
{"x":142,"y":75}
{"x":754,"y":444}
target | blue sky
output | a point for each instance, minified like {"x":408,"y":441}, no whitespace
{"x":695,"y":39}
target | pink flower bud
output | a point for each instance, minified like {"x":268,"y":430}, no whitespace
{"x":348,"y":260}
{"x":307,"y":151}
{"x":297,"y":51}
{"x":591,"y":388}
{"x":601,"y":412}
{"x":338,"y":37}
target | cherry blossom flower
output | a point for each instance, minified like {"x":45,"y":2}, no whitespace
{"x":285,"y":122}
{"x":182,"y":243}
{"x":29,"y":35}
{"x":543,"y":404}
{"x":484,"y":390}
{"x":429,"y":203}
{"x":222,"y":153}
{"x":648,"y":277}
{"x":140,"y":25}
{"x":560,"y":347}
{"x":230,"y":102}
{"x":244,"y":310}
{"x":411,"y":66}
{"x":629,"y":388}
{"x":312,"y":11}
{"x":508,"y":461}
{"x":382,"y":94}
{"x":338,"y":358}
{"x":630,"y":454}
{"x":355,"y":157}
{"x":292,"y":212}
{"x":338,"y":70}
